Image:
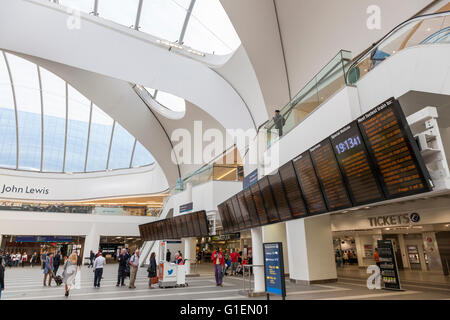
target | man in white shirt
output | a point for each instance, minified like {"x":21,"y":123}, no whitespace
{"x":134,"y":264}
{"x":98,"y":270}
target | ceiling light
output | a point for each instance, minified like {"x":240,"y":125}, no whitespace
{"x":196,"y":52}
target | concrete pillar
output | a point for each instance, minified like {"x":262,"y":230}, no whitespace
{"x":403,"y":252}
{"x":432,"y":251}
{"x":310,"y":250}
{"x":92,"y":242}
{"x":258,"y":259}
{"x":277,"y":233}
{"x":359,"y":250}
{"x":187,"y":254}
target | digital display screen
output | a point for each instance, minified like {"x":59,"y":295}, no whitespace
{"x":232,"y":217}
{"x":254,"y":220}
{"x":173,"y":228}
{"x":237,"y":212}
{"x":245,"y":214}
{"x":330,"y":176}
{"x":356,"y":167}
{"x":179,"y":225}
{"x":280,"y":197}
{"x":184,"y":223}
{"x":309,"y":184}
{"x":259,"y":205}
{"x":168,"y":229}
{"x":267,"y":197}
{"x":203,"y":222}
{"x":396,"y":156}
{"x":293,"y":193}
{"x":223,"y":219}
{"x":190,"y":224}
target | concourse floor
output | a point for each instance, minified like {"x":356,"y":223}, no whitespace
{"x":26,"y":284}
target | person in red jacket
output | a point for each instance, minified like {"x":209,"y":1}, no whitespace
{"x":219,"y":262}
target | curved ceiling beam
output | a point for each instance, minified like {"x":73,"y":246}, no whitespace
{"x":110,"y":49}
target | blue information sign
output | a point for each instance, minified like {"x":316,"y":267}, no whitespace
{"x":274,"y":268}
{"x":250,"y":179}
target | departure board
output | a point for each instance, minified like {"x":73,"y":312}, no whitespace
{"x":196,"y":223}
{"x":223,"y":219}
{"x":190,"y":224}
{"x":309,"y":184}
{"x":280,"y":197}
{"x":237,"y":212}
{"x":173,"y":228}
{"x":203,"y":222}
{"x":396,"y":156}
{"x":254,"y":220}
{"x":330,"y":177}
{"x":231,"y":216}
{"x":179,"y":225}
{"x":168,"y":229}
{"x":353,"y":159}
{"x":293,"y":193}
{"x":245,"y":214}
{"x":185,"y":227}
{"x":259,"y":204}
{"x":269,"y":203}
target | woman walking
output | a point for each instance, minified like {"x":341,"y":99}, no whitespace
{"x":152,"y":270}
{"x":70,"y":272}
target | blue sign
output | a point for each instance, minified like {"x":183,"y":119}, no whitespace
{"x":43,"y":239}
{"x":274,"y":268}
{"x":186,"y":207}
{"x":250,"y":179}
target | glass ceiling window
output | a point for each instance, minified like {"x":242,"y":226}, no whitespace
{"x":209,"y":29}
{"x":99,"y":140}
{"x":26,"y":85}
{"x":141,"y":156}
{"x":170,"y":101}
{"x":56,"y":125}
{"x":7,"y":119}
{"x":121,"y":148}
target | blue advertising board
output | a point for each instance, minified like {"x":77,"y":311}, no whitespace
{"x":250,"y":179}
{"x":274,"y":269}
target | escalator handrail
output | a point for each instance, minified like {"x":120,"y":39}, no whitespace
{"x":393,"y":31}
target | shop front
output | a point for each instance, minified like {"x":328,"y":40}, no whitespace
{"x":419,"y":231}
{"x":240,"y":241}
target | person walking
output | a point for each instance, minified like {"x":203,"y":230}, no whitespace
{"x":178,"y":258}
{"x":122,"y":272}
{"x":69,"y":273}
{"x":33,"y":259}
{"x":43,"y":259}
{"x":18,"y":259}
{"x":234,"y":256}
{"x":91,"y":259}
{"x":24,"y":259}
{"x":48,"y":269}
{"x":57,"y":262}
{"x":98,"y":269}
{"x":2,"y":276}
{"x":152,"y":271}
{"x":279,"y":122}
{"x":219,"y":262}
{"x":134,"y":265}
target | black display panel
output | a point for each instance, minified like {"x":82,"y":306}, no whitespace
{"x":309,"y":184}
{"x":168,"y":229}
{"x":244,"y":211}
{"x":395,"y":153}
{"x":259,"y":204}
{"x":231,"y":216}
{"x":284,"y":211}
{"x":173,"y":227}
{"x":221,"y":208}
{"x":179,"y":226}
{"x":330,"y":177}
{"x":293,"y":193}
{"x":184,"y":224}
{"x":254,"y":220}
{"x":203,"y":221}
{"x":190,"y":224}
{"x":269,"y":203}
{"x":237,"y":212}
{"x":227,"y":217}
{"x":356,"y":167}
{"x":162,"y":225}
{"x":196,"y":223}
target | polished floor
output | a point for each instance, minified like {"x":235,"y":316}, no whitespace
{"x":26,"y":284}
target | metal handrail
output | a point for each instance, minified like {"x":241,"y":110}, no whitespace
{"x":369,"y":51}
{"x":249,"y":266}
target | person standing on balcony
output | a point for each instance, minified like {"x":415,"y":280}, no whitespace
{"x":279,"y":122}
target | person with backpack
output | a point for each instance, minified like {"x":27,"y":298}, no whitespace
{"x":122,"y":272}
{"x":134,"y":265}
{"x":57,"y":262}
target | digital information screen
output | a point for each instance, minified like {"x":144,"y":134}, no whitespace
{"x":269,"y":204}
{"x":237,"y":212}
{"x":274,"y":268}
{"x":330,"y":176}
{"x":280,"y":197}
{"x":179,"y":225}
{"x":233,"y":223}
{"x":244,"y":210}
{"x":396,"y":156}
{"x":221,"y":208}
{"x":293,"y":193}
{"x":203,"y":222}
{"x":254,"y":220}
{"x":353,"y":159}
{"x":388,"y":265}
{"x":309,"y":184}
{"x":190,"y":224}
{"x":259,"y":205}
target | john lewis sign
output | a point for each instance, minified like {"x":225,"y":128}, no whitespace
{"x":13,"y":189}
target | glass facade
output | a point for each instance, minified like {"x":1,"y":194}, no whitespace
{"x":47,"y":125}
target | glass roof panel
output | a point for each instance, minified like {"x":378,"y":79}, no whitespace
{"x":141,"y":156}
{"x":82,"y":5}
{"x":99,"y":140}
{"x":54,"y":106}
{"x":28,"y":99}
{"x":120,"y":11}
{"x":163,"y":18}
{"x":121,"y":148}
{"x":170,"y":101}
{"x":7,"y":119}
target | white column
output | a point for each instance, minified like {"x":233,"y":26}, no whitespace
{"x":187,"y":254}
{"x":310,"y":250}
{"x":277,"y":233}
{"x":258,"y":259}
{"x":92,"y":242}
{"x":403,"y":252}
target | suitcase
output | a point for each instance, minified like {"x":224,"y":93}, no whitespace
{"x":154,"y":280}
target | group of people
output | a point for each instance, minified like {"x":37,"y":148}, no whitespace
{"x":15,"y":259}
{"x":222,"y":263}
